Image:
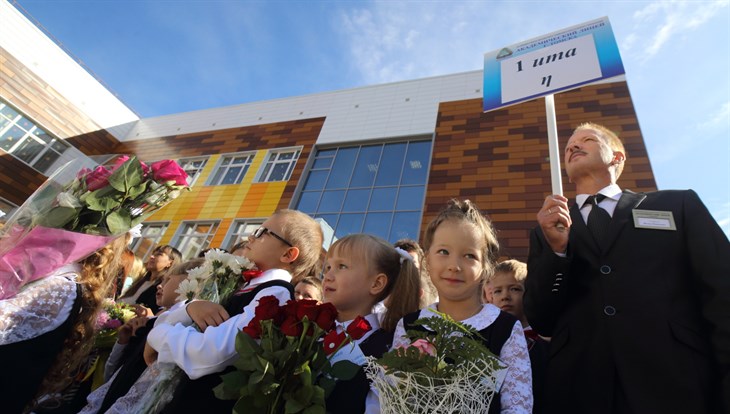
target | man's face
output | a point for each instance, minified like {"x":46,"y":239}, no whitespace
{"x":587,"y":152}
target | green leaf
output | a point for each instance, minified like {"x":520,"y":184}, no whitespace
{"x":229,"y":389}
{"x":327,"y":384}
{"x":97,"y":201}
{"x":58,"y":217}
{"x":137,"y":190}
{"x":246,"y":346}
{"x":119,"y":221}
{"x":128,"y":175}
{"x":293,"y":406}
{"x":345,"y":370}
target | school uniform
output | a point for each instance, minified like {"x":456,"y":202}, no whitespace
{"x":350,"y":396}
{"x":639,"y":322}
{"x":538,"y":349}
{"x":500,"y":332}
{"x":204,"y":356}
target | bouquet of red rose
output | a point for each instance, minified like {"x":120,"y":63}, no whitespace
{"x":284,"y":358}
{"x":63,"y":223}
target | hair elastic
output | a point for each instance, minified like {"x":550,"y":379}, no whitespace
{"x":404,"y":255}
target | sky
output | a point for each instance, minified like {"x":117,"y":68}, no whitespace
{"x":164,"y":57}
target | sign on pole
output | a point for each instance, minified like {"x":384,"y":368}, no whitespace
{"x":559,"y":61}
{"x":543,"y":66}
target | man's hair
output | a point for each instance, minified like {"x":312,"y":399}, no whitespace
{"x":611,"y":138}
{"x":513,"y":267}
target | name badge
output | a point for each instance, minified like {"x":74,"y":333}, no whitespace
{"x":653,"y":219}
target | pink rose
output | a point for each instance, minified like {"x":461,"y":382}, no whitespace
{"x":124,"y":158}
{"x":113,"y":324}
{"x":169,"y":170}
{"x":83,"y":172}
{"x":102,"y":319}
{"x":98,"y":178}
{"x":424,"y":347}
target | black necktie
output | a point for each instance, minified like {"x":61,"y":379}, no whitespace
{"x":598,"y":219}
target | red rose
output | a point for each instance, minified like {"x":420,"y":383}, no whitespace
{"x":267,"y":308}
{"x":290,"y":309}
{"x":253,"y":329}
{"x":308,"y":308}
{"x":358,"y":327}
{"x":169,"y":170}
{"x":332,"y":341}
{"x":99,"y":178}
{"x":327,"y":316}
{"x":119,"y":161}
{"x":291,"y":326}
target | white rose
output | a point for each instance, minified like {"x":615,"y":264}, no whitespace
{"x":66,"y":199}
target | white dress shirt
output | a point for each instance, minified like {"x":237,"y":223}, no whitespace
{"x":203,"y":353}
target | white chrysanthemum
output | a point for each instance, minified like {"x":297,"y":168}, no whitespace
{"x":187,"y":289}
{"x":215,"y":255}
{"x":201,"y":272}
{"x":66,"y":199}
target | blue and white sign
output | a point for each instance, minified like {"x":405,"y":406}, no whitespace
{"x":559,"y":61}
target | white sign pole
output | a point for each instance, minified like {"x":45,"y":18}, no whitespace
{"x":554,"y":151}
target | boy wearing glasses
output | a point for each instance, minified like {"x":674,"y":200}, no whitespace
{"x":286,"y":245}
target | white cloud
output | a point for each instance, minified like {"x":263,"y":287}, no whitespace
{"x":657,"y":24}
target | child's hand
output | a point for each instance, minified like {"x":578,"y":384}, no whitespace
{"x":143,"y":311}
{"x":127,"y":330}
{"x":206,"y":314}
{"x":150,"y":355}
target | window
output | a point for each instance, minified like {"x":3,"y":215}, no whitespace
{"x":374,"y":188}
{"x":6,"y":210}
{"x":151,"y":234}
{"x":231,"y":169}
{"x":26,"y":141}
{"x":279,"y":165}
{"x":193,"y":167}
{"x":240,"y":230}
{"x":194,"y":237}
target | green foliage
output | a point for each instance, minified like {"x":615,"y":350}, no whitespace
{"x":453,"y":343}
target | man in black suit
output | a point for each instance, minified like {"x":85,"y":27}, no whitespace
{"x":635,"y":295}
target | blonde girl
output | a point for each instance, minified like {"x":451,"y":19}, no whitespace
{"x":461,"y":251}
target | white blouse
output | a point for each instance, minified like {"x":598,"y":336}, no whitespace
{"x":39,"y":307}
{"x":203,"y":353}
{"x":516,"y":392}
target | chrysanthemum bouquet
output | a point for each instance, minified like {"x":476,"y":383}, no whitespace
{"x":112,"y":316}
{"x":445,"y":369}
{"x":216,"y":280}
{"x":62,"y":223}
{"x":285,"y":354}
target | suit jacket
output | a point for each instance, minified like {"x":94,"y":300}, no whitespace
{"x":650,"y":312}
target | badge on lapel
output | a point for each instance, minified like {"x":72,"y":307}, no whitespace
{"x":653,"y":219}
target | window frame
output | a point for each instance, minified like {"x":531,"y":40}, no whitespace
{"x":233,"y":236}
{"x":180,"y":239}
{"x":264,"y":175}
{"x":136,"y":244}
{"x":199,"y":170}
{"x":219,"y":165}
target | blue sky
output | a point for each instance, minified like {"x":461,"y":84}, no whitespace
{"x":163,"y":57}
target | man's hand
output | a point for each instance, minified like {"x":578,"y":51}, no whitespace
{"x":206,"y":314}
{"x":150,"y":355}
{"x":554,"y":220}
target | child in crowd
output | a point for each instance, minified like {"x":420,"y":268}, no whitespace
{"x":310,"y":287}
{"x":143,"y":290}
{"x":428,"y":290}
{"x":288,"y":243}
{"x":461,"y":249}
{"x":126,"y":362}
{"x":507,"y":287}
{"x":361,"y":270}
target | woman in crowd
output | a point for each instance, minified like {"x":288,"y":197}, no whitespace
{"x":143,"y":290}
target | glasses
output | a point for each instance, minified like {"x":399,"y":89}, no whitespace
{"x":263,"y":230}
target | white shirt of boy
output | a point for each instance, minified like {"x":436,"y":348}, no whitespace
{"x":203,"y":353}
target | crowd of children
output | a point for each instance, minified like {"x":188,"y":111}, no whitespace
{"x":389,"y":285}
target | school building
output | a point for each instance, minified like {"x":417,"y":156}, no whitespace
{"x":381,"y":159}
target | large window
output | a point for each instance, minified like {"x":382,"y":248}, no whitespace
{"x":279,"y":165}
{"x":150,"y":236}
{"x":194,"y":237}
{"x":193,"y":167}
{"x":231,"y":169}
{"x":377,"y":189}
{"x":26,"y":141}
{"x":239,"y":231}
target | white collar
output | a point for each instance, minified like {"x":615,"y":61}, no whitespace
{"x":372,"y":318}
{"x":612,"y":191}
{"x":268,"y":276}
